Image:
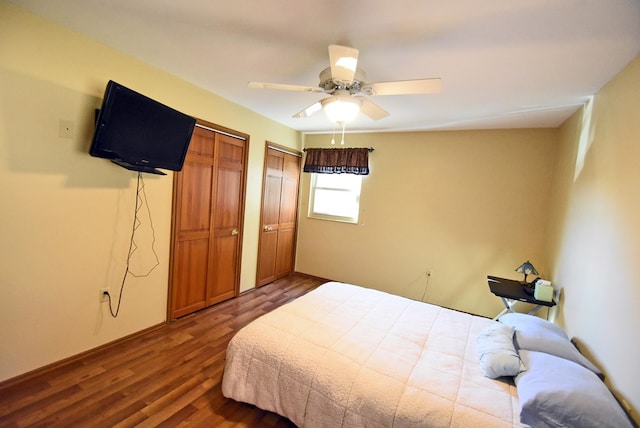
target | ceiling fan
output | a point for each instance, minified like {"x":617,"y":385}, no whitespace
{"x":346,"y":84}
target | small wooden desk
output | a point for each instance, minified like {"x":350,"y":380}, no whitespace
{"x":512,"y":292}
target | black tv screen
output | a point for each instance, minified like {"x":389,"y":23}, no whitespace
{"x":139,"y":133}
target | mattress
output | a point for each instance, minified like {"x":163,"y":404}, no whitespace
{"x":349,"y":356}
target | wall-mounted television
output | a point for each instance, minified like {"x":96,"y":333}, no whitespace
{"x":139,"y":133}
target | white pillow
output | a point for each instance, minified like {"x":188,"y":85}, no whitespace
{"x":497,"y":353}
{"x":536,"y":334}
{"x":555,"y":392}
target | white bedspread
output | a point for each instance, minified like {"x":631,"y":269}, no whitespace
{"x":347,"y":356}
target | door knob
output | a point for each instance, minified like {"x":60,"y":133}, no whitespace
{"x":234,"y":232}
{"x":268,"y":229}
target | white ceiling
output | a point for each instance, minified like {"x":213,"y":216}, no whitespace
{"x":504,"y":63}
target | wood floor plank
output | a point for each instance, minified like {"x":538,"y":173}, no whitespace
{"x":169,"y":376}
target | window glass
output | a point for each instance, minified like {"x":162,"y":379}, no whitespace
{"x":335,"y":197}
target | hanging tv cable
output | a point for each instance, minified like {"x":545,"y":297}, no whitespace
{"x":141,"y":198}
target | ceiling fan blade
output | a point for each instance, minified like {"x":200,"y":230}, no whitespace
{"x":313,"y":108}
{"x":404,"y":87}
{"x":344,"y":62}
{"x":262,"y":85}
{"x":373,"y":110}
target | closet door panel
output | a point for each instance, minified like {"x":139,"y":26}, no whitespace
{"x":195,"y":204}
{"x":271,"y":191}
{"x":191,"y":262}
{"x":191,"y":248}
{"x":226,"y":219}
{"x":224,"y":266}
{"x":285,"y":252}
{"x":267,"y":258}
{"x":288,"y":217}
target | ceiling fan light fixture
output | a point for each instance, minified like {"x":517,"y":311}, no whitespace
{"x":341,"y":109}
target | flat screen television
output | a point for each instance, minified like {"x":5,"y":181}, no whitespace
{"x":139,"y":133}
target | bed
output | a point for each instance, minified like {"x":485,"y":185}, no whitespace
{"x":348,"y":356}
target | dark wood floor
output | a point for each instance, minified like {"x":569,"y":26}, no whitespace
{"x":170,"y":376}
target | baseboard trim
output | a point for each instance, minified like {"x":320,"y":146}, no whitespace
{"x":257,"y":287}
{"x":72,"y":359}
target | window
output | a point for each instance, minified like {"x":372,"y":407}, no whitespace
{"x":335,"y":197}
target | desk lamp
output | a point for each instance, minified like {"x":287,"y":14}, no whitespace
{"x":526,"y":268}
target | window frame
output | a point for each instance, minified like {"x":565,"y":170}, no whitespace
{"x":331,"y":217}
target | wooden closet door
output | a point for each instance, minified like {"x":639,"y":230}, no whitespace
{"x":276,"y":249}
{"x":208,"y":212}
{"x":271,"y":190}
{"x":227,"y":218}
{"x":288,"y":217}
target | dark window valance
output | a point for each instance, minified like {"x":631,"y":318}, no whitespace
{"x":337,"y":161}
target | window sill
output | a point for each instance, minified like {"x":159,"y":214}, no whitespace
{"x":336,"y":219}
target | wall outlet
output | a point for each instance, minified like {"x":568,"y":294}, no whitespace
{"x":104,"y":295}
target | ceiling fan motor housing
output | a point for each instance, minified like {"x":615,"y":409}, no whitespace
{"x":330,"y":85}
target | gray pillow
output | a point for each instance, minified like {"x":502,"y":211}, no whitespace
{"x":536,"y":334}
{"x":497,"y":353}
{"x":555,"y":392}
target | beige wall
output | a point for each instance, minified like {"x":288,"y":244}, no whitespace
{"x":594,"y":240}
{"x":462,"y":205}
{"x":65,"y":217}
{"x":458,"y":204}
